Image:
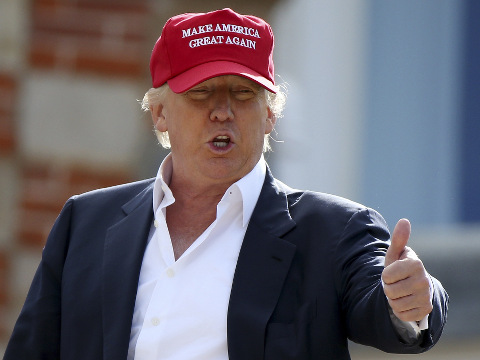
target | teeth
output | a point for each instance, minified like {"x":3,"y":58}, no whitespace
{"x":221,"y":141}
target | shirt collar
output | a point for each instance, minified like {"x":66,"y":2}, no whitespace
{"x":161,"y":191}
{"x":249,"y":186}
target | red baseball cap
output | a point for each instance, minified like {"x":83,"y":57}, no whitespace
{"x":195,"y":47}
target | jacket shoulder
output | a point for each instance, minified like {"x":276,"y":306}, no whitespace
{"x":315,"y":208}
{"x":109,"y":200}
{"x":317,"y":200}
{"x":123,"y":191}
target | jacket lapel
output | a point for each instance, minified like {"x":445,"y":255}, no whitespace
{"x":123,"y":254}
{"x":262,"y":266}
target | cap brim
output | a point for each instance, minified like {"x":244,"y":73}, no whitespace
{"x":202,"y":72}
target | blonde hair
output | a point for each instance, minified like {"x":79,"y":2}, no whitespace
{"x":275,"y":102}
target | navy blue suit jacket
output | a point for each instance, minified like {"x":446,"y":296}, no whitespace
{"x":307,"y":278}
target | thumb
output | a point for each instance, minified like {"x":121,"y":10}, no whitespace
{"x":400,"y":237}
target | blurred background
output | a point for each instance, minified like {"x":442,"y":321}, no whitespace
{"x":383,"y":108}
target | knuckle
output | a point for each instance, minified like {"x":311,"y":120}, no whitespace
{"x":404,"y":316}
{"x":388,"y":291}
{"x":386,"y":277}
{"x":429,"y":308}
{"x":423,"y":286}
{"x":416,"y":265}
{"x":426,"y":298}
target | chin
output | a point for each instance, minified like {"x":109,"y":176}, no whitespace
{"x":224,"y":168}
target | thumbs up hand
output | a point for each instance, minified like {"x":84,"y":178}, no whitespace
{"x":406,"y":282}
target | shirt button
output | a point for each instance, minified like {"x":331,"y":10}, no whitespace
{"x":170,"y":273}
{"x":155,"y":321}
{"x":155,"y":223}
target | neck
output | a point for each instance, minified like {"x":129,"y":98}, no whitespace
{"x":194,"y":209}
{"x":186,"y":191}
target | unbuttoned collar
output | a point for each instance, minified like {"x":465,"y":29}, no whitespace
{"x":249,"y":187}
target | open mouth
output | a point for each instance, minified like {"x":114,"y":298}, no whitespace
{"x":221,"y":141}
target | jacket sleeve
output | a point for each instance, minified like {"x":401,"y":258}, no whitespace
{"x":36,"y":334}
{"x":359,"y":260}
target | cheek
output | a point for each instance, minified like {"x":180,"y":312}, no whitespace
{"x":257,"y":134}
{"x":266,"y":117}
{"x":185,"y":135}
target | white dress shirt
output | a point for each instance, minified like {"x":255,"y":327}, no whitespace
{"x":181,"y":306}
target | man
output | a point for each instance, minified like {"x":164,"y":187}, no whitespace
{"x":231,"y":263}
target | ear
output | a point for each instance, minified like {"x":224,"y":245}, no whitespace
{"x":158,"y":117}
{"x":271,"y":120}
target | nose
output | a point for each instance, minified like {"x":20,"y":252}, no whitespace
{"x":222,"y":107}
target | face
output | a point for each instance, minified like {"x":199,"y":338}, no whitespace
{"x":216,"y":128}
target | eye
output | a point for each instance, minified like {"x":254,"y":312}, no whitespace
{"x":244,"y":93}
{"x":198,"y":93}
